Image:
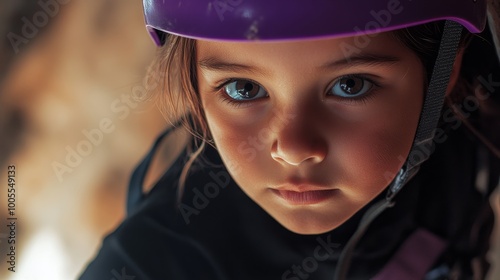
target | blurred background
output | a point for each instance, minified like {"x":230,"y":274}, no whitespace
{"x":73,"y":123}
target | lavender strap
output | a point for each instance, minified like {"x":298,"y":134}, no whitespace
{"x":414,"y":258}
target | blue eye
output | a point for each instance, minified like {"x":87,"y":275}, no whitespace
{"x":351,"y":87}
{"x":243,"y":90}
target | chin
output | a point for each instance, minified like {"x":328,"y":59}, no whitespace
{"x":309,"y":225}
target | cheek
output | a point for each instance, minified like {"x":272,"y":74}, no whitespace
{"x":242,"y":140}
{"x":241,"y":147}
{"x":376,"y":149}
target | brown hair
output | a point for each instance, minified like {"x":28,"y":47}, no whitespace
{"x":178,"y":96}
{"x":478,"y":63}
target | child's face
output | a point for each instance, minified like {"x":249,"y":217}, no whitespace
{"x":311,"y":130}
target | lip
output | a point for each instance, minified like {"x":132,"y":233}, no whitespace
{"x":303,"y":195}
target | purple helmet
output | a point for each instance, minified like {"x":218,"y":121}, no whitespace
{"x":241,"y":20}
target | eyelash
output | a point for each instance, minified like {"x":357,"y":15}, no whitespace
{"x":218,"y":89}
{"x":355,"y":100}
{"x":223,"y":96}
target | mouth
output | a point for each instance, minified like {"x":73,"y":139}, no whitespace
{"x":304,"y":195}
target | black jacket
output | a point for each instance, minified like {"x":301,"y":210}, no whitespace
{"x":217,"y":232}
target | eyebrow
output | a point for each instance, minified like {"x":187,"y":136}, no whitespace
{"x":215,"y":64}
{"x":362,"y":60}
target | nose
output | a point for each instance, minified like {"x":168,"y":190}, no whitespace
{"x":298,"y":143}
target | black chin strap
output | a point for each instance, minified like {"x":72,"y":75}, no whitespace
{"x":423,"y":143}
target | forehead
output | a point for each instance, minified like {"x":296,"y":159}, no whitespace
{"x":382,"y":44}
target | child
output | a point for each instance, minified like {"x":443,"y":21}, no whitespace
{"x":321,"y":145}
